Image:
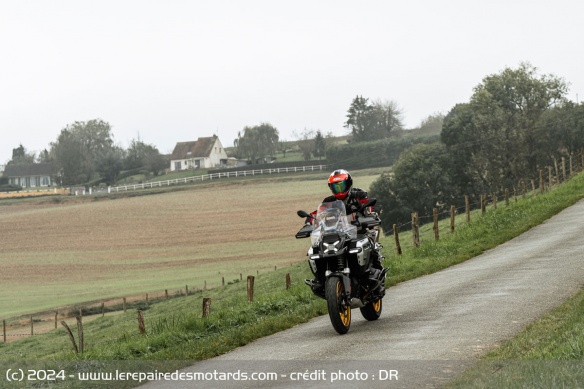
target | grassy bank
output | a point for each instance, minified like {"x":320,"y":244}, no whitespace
{"x":547,"y":354}
{"x":176,"y":331}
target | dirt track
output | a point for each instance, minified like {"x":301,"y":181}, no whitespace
{"x":431,"y":327}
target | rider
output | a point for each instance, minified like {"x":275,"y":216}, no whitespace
{"x":341,"y":186}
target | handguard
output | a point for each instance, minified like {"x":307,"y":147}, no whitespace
{"x":305,"y":231}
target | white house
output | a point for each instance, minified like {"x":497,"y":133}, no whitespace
{"x":204,"y":153}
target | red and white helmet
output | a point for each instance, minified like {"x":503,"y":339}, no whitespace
{"x":340,"y":183}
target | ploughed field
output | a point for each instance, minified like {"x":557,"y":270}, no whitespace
{"x":58,"y":254}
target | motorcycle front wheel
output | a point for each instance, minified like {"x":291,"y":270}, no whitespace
{"x":339,"y":310}
{"x":372,"y":311}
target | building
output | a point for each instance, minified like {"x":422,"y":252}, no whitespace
{"x":204,"y":153}
{"x":30,"y":175}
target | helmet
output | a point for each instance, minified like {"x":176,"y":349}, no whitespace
{"x":340,"y":183}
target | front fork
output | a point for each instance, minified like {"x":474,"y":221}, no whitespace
{"x":345,"y":276}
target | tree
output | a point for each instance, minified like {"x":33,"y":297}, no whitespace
{"x":79,"y":147}
{"x":142,"y":155}
{"x":561,"y":131}
{"x":421,"y":182}
{"x":358,"y":118}
{"x":153,"y":161}
{"x":319,"y":145}
{"x":67,"y":153}
{"x":386,"y":119}
{"x":375,"y":121}
{"x":257,"y":142}
{"x":432,"y":124}
{"x":20,"y":156}
{"x":306,"y":143}
{"x":500,"y":124}
{"x":110,"y":164}
{"x":44,"y":156}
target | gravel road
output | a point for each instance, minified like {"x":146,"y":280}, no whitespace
{"x":431,"y":327}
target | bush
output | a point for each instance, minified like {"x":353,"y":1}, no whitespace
{"x":379,"y":153}
{"x":10,"y":188}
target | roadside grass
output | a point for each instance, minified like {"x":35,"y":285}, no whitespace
{"x":546,"y":354}
{"x":176,"y":331}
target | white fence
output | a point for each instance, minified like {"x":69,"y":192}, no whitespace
{"x":215,"y":176}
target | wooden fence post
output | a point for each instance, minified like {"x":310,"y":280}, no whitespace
{"x":166,"y":293}
{"x":186,"y":290}
{"x":494,"y":200}
{"x":550,"y":181}
{"x":533,"y":186}
{"x":141,"y":325}
{"x":206,"y":306}
{"x":571,"y":170}
{"x":541,"y":184}
{"x":467,"y":207}
{"x":4,"y":329}
{"x":483,"y":204}
{"x":80,"y":333}
{"x":415,"y":229}
{"x":288,"y":281}
{"x":146,"y":299}
{"x":250,"y":280}
{"x":507,"y":197}
{"x":124,"y":304}
{"x":436,"y":232}
{"x":71,"y":337}
{"x":31,"y":326}
{"x":563,"y":169}
{"x":223,"y":281}
{"x":523,"y":189}
{"x":557,"y":172}
{"x":56,"y":314}
{"x":452,"y":217}
{"x":396,"y":237}
{"x":102,"y":309}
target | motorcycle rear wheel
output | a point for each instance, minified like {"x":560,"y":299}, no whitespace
{"x":339,"y":310}
{"x":372,"y":311}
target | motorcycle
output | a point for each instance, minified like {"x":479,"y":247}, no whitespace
{"x":340,"y":258}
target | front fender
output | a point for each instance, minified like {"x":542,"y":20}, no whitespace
{"x":346,"y":282}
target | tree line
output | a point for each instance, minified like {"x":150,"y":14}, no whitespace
{"x":516,"y":123}
{"x":85,"y":151}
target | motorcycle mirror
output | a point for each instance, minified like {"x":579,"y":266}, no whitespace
{"x":303,"y":214}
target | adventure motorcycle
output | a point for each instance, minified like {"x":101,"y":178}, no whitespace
{"x":340,"y":257}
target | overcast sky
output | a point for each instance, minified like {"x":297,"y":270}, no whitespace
{"x":169,"y":71}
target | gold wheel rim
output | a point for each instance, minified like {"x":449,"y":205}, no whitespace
{"x":377,"y":305}
{"x":346,"y":313}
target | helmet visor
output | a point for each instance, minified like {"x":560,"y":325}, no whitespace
{"x":339,"y":187}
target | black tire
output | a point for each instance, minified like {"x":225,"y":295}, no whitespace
{"x":339,"y":312}
{"x":372,"y":311}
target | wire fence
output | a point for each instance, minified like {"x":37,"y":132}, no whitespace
{"x":547,"y":179}
{"x":42,"y":323}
